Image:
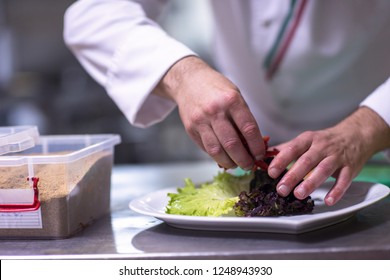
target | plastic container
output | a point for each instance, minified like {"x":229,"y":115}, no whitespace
{"x":17,"y":138}
{"x":56,"y":188}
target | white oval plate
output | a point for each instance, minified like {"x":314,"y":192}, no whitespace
{"x":358,"y":196}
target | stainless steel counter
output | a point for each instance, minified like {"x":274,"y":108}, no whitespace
{"x":128,"y":235}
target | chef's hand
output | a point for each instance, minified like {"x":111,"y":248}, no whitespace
{"x":213,"y":112}
{"x":339,"y":151}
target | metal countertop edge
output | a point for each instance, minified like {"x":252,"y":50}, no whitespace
{"x":308,"y":255}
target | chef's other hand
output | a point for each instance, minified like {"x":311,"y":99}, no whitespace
{"x":214,"y":113}
{"x":339,"y":151}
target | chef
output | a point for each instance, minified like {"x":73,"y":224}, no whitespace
{"x":313,"y":75}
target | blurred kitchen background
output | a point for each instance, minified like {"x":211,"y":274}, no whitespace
{"x":42,"y":84}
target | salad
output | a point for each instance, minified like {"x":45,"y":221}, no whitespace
{"x":252,"y":194}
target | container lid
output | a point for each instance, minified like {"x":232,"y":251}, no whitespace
{"x":17,"y":138}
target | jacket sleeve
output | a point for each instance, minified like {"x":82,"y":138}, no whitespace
{"x":126,"y":52}
{"x":379,"y":101}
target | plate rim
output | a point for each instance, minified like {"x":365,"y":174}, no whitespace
{"x":286,"y":224}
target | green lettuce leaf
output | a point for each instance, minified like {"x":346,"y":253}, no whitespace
{"x":215,"y":198}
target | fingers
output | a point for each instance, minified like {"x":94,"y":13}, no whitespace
{"x":343,"y":181}
{"x":289,"y":152}
{"x":316,"y":159}
{"x":231,"y":145}
{"x":316,"y":178}
{"x":210,"y":143}
{"x":310,"y":160}
{"x":231,"y":138}
{"x":307,"y":158}
{"x":226,"y":146}
{"x":250,"y":133}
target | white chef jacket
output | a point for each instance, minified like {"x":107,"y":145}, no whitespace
{"x":336,"y":59}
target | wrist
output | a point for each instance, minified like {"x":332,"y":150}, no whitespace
{"x":370,"y":129}
{"x":172,"y":81}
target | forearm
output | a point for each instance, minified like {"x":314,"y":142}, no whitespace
{"x":175,"y":78}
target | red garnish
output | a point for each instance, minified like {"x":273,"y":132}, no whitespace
{"x":260,"y":164}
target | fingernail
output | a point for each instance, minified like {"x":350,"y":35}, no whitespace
{"x":259,"y":157}
{"x":301,"y":192}
{"x":247,"y":168}
{"x":273,"y":172}
{"x":283,"y":190}
{"x":329,"y":201}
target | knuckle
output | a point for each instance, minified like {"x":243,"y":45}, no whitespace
{"x":291,"y":178}
{"x":344,"y":181}
{"x":212,"y":108}
{"x":231,"y":144}
{"x":308,"y":138}
{"x":310,"y":184}
{"x":214,"y":150}
{"x":191,"y":128}
{"x":306,"y":160}
{"x":307,"y":134}
{"x":291,"y":150}
{"x":249,"y":129}
{"x":231,"y":98}
{"x":325,"y":168}
{"x":196,"y":119}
